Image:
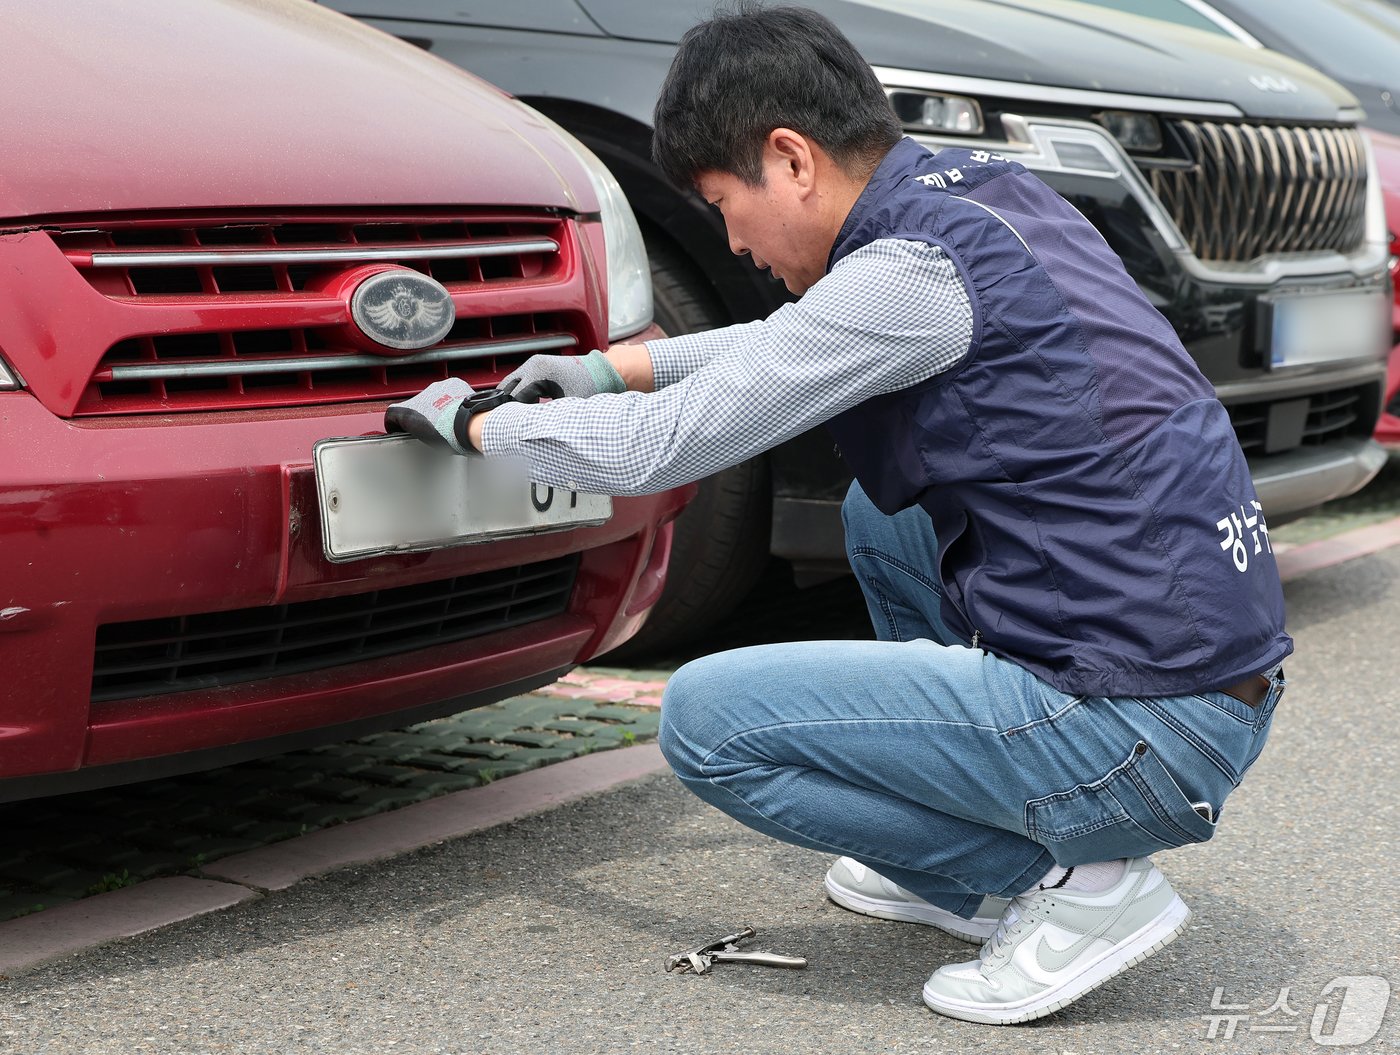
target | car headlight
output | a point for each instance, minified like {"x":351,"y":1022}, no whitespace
{"x":9,"y":379}
{"x":1138,"y":132}
{"x":936,"y":112}
{"x":629,"y":275}
{"x":1377,"y":230}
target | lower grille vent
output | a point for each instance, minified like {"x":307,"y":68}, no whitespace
{"x":1308,"y":421}
{"x":204,"y":651}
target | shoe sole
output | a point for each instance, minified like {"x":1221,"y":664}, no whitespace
{"x":1150,"y":938}
{"x":975,"y":931}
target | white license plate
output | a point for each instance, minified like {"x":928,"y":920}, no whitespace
{"x":393,"y":494}
{"x":1328,"y":327}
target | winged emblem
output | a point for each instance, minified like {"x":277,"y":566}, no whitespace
{"x":404,"y":310}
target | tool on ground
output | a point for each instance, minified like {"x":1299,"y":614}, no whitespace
{"x":726,"y":950}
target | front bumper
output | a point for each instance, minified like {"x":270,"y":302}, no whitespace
{"x":109,"y":522}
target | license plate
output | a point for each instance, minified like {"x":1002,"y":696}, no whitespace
{"x":393,"y":494}
{"x":1316,"y":328}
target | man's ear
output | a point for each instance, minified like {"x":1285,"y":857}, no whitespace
{"x":791,"y":157}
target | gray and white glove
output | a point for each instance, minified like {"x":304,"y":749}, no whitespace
{"x":431,"y":415}
{"x":553,"y":376}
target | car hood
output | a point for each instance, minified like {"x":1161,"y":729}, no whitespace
{"x":222,"y":104}
{"x":1056,"y":43}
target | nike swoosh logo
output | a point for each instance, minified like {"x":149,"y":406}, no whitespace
{"x":1053,"y":959}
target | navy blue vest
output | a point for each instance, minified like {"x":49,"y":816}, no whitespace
{"x":1095,"y":516}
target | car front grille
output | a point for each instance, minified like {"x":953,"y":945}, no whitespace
{"x":1276,"y":426}
{"x":208,"y":650}
{"x":1252,"y":190}
{"x":238,"y":318}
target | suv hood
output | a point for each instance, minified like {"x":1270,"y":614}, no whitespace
{"x":230,"y":104}
{"x":1056,"y":43}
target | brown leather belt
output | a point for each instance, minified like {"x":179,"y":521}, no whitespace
{"x":1251,"y":691}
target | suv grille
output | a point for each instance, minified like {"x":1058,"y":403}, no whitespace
{"x":1308,"y":421}
{"x":222,"y":648}
{"x":238,"y":321}
{"x":1257,"y":189}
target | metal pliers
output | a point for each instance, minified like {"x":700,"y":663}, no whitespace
{"x":725,"y":950}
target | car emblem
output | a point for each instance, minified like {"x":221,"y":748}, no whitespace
{"x":403,"y":309}
{"x":1267,"y":82}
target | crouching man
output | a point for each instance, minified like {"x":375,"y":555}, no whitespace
{"x":1079,"y":616}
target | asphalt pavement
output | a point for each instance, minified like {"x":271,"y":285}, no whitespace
{"x":549,"y":934}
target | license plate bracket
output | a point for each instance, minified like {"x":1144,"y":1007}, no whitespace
{"x":1310,"y":328}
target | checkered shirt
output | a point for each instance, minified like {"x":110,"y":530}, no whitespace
{"x":888,"y":316}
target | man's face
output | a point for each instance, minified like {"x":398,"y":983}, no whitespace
{"x":773,"y":222}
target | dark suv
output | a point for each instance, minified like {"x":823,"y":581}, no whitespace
{"x":1233,"y":183}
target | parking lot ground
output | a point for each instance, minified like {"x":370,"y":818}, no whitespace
{"x":1378,"y":501}
{"x":549,"y":934}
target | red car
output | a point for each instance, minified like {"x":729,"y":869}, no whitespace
{"x":193,"y":200}
{"x":1387,"y":151}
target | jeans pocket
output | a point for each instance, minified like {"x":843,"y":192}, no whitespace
{"x":1136,"y":809}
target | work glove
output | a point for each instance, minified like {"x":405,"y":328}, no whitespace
{"x":563,"y":375}
{"x":430,"y":415}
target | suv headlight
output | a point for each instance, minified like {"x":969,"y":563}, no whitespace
{"x":1377,"y":230}
{"x":1136,"y":131}
{"x":920,"y":111}
{"x":629,"y":275}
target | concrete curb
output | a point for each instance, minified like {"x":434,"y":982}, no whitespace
{"x":31,"y":941}
{"x":1324,"y":553}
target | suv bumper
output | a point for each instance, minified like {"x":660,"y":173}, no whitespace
{"x":1295,"y":483}
{"x":807,"y":529}
{"x":112,"y":522}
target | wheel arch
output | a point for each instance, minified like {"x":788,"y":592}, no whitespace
{"x":682,"y":217}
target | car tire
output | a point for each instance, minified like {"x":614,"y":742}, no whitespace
{"x":721,"y":541}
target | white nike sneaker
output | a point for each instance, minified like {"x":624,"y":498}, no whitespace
{"x":851,"y":885}
{"x":1053,"y":946}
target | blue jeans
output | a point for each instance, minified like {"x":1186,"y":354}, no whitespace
{"x":949,"y":771}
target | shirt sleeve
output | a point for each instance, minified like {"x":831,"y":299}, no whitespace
{"x":888,"y":316}
{"x":673,"y":358}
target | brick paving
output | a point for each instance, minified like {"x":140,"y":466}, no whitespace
{"x":61,"y":849}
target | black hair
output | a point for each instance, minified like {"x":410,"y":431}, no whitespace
{"x":751,"y":69}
